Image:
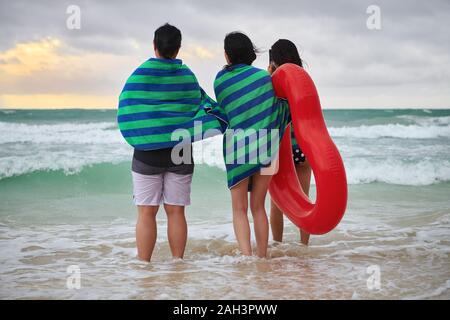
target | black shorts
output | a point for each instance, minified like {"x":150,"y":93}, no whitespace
{"x":299,"y":156}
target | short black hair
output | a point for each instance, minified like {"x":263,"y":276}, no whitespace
{"x":239,"y":48}
{"x":167,"y":40}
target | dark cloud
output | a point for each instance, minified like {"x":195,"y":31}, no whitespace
{"x":410,"y":52}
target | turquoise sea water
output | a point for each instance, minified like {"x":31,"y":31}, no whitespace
{"x":65,"y":199}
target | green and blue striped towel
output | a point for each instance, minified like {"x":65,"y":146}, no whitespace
{"x":247,"y":97}
{"x":160,"y":97}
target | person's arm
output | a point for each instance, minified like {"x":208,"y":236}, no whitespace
{"x":213,"y":108}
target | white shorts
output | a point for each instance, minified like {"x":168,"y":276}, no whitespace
{"x":164,"y":188}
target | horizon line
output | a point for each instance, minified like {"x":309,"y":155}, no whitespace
{"x":323,"y":108}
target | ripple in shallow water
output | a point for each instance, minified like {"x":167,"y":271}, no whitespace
{"x":34,"y":264}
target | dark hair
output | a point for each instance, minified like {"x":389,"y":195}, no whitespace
{"x":284,"y":51}
{"x":239,"y":48}
{"x":167,"y":40}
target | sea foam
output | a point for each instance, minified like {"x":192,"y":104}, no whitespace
{"x":70,"y":147}
{"x":392,"y":131}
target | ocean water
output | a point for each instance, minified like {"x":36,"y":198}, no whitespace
{"x":65,"y":200}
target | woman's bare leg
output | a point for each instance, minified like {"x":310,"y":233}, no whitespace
{"x":276,"y":215}
{"x":176,"y":229}
{"x":146,"y":231}
{"x":239,"y":199}
{"x":276,"y":222}
{"x":257,"y":206}
{"x":304,"y":177}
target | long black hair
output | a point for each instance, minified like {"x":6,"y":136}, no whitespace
{"x":284,"y":51}
{"x":239,"y":48}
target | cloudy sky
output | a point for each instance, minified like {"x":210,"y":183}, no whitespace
{"x":406,"y":63}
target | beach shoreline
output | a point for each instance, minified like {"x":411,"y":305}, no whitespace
{"x":62,"y":204}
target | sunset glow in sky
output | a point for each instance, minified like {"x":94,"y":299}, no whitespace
{"x":44,"y":64}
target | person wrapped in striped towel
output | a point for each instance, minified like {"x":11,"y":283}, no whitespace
{"x":162,"y":110}
{"x":256,"y":123}
{"x":161,"y":96}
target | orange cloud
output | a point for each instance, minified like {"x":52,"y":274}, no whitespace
{"x":28,"y":58}
{"x":47,"y":73}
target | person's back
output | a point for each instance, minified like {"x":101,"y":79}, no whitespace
{"x":246,"y":95}
{"x":159,"y":89}
{"x":242,"y":88}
